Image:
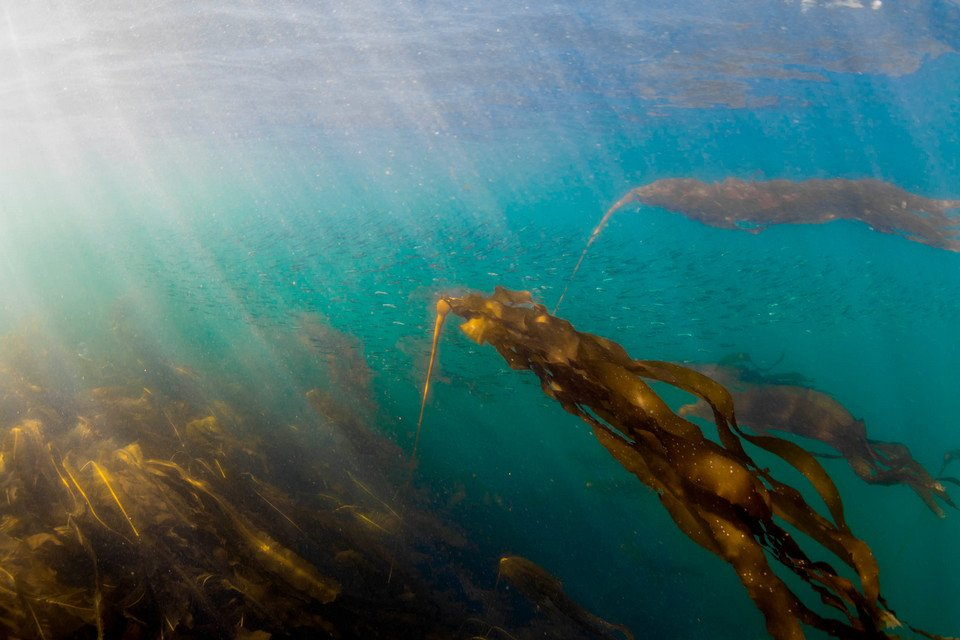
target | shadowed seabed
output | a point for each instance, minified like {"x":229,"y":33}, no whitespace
{"x":142,"y":497}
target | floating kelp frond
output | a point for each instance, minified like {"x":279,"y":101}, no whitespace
{"x":716,"y":494}
{"x":808,"y":413}
{"x":546,"y":591}
{"x":754,"y":205}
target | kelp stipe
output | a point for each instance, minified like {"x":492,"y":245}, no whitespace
{"x":625,"y":200}
{"x":714,"y":491}
{"x":443,"y":308}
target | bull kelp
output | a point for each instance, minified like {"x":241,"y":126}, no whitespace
{"x":714,"y":490}
{"x":753,"y":206}
{"x":142,"y":499}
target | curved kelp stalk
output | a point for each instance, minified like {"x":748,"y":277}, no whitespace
{"x":754,"y":205}
{"x":714,"y":491}
{"x":442,"y":310}
{"x":949,"y":457}
{"x":803,"y":411}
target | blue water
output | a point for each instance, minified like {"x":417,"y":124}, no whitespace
{"x":217,"y":172}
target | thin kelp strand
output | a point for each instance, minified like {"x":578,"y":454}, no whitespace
{"x":86,"y":499}
{"x":277,"y":509}
{"x":370,"y":493}
{"x":116,"y":498}
{"x":43,"y":636}
{"x":9,"y":576}
{"x":630,"y":197}
{"x":443,"y":308}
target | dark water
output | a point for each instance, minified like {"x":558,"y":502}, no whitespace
{"x":271,"y":196}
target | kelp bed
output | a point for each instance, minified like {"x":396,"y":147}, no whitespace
{"x":142,"y":499}
{"x":713,"y":489}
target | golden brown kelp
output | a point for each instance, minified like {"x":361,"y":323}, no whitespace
{"x":714,"y":491}
{"x":546,"y":591}
{"x":755,"y":205}
{"x":136,"y":502}
{"x":812,"y":414}
{"x":127,"y":539}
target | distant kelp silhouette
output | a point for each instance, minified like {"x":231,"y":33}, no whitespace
{"x":764,"y":404}
{"x":714,"y":491}
{"x":754,"y":205}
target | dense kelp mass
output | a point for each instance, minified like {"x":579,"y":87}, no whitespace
{"x":764,"y":404}
{"x":145,"y":499}
{"x":714,"y":490}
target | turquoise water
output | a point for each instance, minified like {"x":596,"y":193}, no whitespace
{"x":204,"y":177}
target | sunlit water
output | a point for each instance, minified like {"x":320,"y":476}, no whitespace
{"x":211,"y":174}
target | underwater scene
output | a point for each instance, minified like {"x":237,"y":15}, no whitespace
{"x":480,"y":320}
